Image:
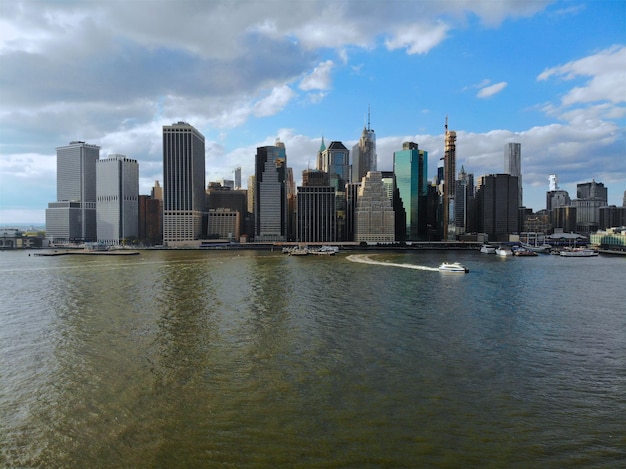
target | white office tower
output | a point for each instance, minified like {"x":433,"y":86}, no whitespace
{"x":72,"y":218}
{"x":237,"y":178}
{"x":117,"y":196}
{"x":513,"y":164}
{"x":553,"y":181}
{"x":374,"y":218}
{"x":183,"y":183}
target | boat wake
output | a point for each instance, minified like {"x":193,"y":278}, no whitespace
{"x":364,"y":259}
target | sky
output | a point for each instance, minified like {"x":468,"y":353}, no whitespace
{"x":550,"y":75}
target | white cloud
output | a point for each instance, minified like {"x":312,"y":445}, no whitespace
{"x":607,"y":70}
{"x":491,"y":90}
{"x":275,"y":102}
{"x":418,"y":38}
{"x":319,"y":78}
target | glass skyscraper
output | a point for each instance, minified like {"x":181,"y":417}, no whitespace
{"x":410,"y":166}
{"x":270,"y":193}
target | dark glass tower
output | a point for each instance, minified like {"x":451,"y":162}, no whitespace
{"x":270,"y":195}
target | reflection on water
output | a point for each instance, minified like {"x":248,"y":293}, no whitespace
{"x":187,"y":359}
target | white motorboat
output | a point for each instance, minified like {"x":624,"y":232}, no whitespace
{"x":488,"y":249}
{"x":453,"y":267}
{"x":503,"y":251}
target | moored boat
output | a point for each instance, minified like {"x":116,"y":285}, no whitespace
{"x":542,"y":249}
{"x":522,"y":251}
{"x":503,"y":251}
{"x":578,"y":252}
{"x":453,"y":267}
{"x":299,"y":251}
{"x":488,"y":249}
{"x":325,"y":251}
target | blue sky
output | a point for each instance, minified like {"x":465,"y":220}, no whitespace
{"x":548,"y":74}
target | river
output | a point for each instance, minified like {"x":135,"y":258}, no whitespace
{"x":258,"y":359}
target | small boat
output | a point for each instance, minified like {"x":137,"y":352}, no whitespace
{"x":453,"y":267}
{"x":578,"y":252}
{"x":542,"y":248}
{"x":325,"y":251}
{"x":522,"y":251}
{"x":503,"y":251}
{"x":488,"y":249}
{"x":299,"y":251}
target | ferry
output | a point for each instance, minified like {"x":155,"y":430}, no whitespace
{"x":453,"y":267}
{"x":578,"y":252}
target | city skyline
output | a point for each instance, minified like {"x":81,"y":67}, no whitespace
{"x":508,"y":72}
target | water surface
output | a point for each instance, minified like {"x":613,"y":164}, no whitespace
{"x":257,"y":359}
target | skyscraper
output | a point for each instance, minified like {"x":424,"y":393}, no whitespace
{"x":449,"y":186}
{"x":72,"y":218}
{"x":183,"y":183}
{"x":410,"y":166}
{"x":590,"y":196}
{"x":497,"y":206}
{"x":117,"y":194}
{"x":513,"y":164}
{"x":374,"y":218}
{"x":464,"y":194}
{"x":237,"y":177}
{"x":270,"y":195}
{"x":316,"y":212}
{"x":364,"y":153}
{"x":335,"y":161}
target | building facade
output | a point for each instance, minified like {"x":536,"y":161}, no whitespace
{"x":315,"y":215}
{"x":590,"y":197}
{"x":150,"y":223}
{"x":117,"y":199}
{"x":374,"y":220}
{"x":497,"y":206}
{"x":219,"y":197}
{"x":464,"y":195}
{"x":335,"y":160}
{"x":449,"y":183}
{"x":513,"y":165}
{"x":72,"y":218}
{"x":223,"y":224}
{"x":183,"y":183}
{"x":270,"y":195}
